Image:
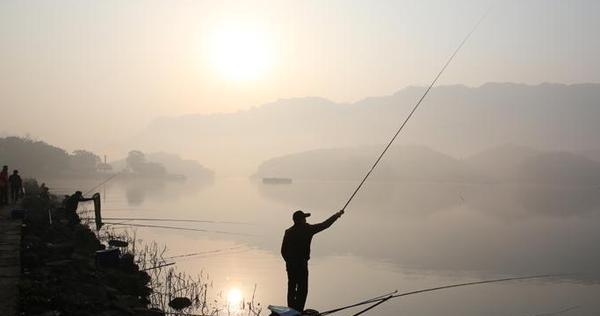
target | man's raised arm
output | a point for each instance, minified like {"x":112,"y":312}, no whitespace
{"x":328,"y":222}
{"x":84,"y":199}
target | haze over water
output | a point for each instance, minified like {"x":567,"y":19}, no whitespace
{"x":403,"y":236}
{"x":497,"y":174}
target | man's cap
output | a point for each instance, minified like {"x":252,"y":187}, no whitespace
{"x":299,"y":214}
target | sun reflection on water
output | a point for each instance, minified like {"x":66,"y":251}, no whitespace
{"x":234,"y":298}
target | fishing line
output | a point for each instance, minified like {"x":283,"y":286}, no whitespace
{"x":176,"y":220}
{"x":132,"y":209}
{"x":444,"y":287}
{"x":225,"y":253}
{"x":416,"y":106}
{"x":103,"y":182}
{"x":202,"y":254}
{"x":112,"y":224}
{"x":182,"y":228}
{"x":216,"y":251}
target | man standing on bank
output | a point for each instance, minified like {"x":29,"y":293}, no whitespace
{"x":16,"y":186}
{"x":295,"y":250}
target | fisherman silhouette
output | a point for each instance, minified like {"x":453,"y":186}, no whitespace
{"x":16,"y":186}
{"x":44,"y":192}
{"x":295,"y":250}
{"x":4,"y":186}
{"x":71,"y":204}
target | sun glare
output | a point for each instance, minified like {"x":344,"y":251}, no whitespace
{"x":234,"y":297}
{"x":241,"y":52}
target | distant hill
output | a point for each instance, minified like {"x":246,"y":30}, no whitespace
{"x":457,"y":120}
{"x":406,"y":163}
{"x":593,"y":154}
{"x":501,"y":162}
{"x":506,"y":163}
{"x":559,"y":168}
{"x":522,"y":164}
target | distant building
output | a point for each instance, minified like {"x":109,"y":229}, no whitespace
{"x":104,"y":167}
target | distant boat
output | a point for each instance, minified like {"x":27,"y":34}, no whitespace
{"x":277,"y":180}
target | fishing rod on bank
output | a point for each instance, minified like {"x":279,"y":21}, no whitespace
{"x":178,"y":228}
{"x":415,"y":107}
{"x":380,"y":299}
{"x":103,"y":182}
{"x":176,"y":220}
{"x":209,"y":252}
{"x":172,"y":260}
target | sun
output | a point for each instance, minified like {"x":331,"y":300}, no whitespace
{"x":234,"y":297}
{"x":240,"y":52}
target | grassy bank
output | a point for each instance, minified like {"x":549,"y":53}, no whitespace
{"x":60,"y":275}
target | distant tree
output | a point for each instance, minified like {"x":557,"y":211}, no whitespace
{"x":154,"y":169}
{"x":136,"y":160}
{"x":84,"y":161}
{"x":181,"y":167}
{"x":32,"y":157}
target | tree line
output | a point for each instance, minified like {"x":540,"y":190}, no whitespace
{"x":36,"y":158}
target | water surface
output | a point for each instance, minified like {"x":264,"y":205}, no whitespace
{"x":403,"y":236}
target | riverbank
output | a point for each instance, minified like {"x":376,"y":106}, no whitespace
{"x":60,"y":274}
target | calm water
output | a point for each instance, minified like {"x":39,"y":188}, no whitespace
{"x":394,"y":236}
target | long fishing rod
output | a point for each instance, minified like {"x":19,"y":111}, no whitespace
{"x":179,"y":228}
{"x":381,"y":301}
{"x":444,"y":287}
{"x":381,"y":296}
{"x":378,"y":300}
{"x":416,"y":106}
{"x":103,"y":182}
{"x":175,"y":220}
{"x":204,"y":254}
{"x":159,"y":266}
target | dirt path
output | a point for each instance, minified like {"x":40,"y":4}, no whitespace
{"x":10,"y":263}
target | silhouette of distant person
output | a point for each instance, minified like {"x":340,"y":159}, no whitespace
{"x":4,"y":186}
{"x":295,"y":250}
{"x":16,"y":186}
{"x":44,"y":192}
{"x":72,"y":203}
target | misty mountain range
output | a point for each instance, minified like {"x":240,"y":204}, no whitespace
{"x":506,"y":163}
{"x":456,"y":120}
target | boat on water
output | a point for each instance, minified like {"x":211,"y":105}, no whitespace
{"x":277,"y":180}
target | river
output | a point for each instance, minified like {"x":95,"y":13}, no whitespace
{"x":394,"y":236}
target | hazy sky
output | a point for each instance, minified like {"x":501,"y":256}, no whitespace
{"x":109,"y":67}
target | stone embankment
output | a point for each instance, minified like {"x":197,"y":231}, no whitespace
{"x":61,"y":274}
